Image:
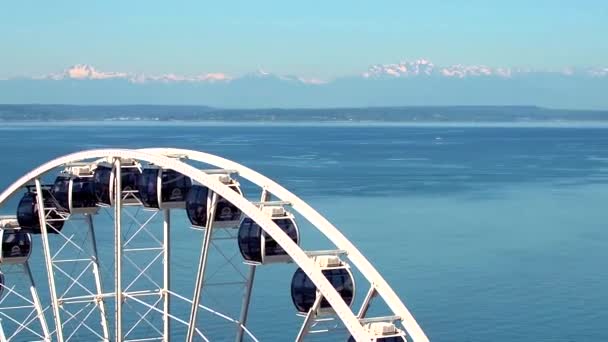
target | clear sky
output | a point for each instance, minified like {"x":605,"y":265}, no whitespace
{"x":310,"y":38}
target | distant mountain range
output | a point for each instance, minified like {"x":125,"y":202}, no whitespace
{"x":446,"y":114}
{"x":417,"y":83}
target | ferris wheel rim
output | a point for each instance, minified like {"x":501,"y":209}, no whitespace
{"x":155,"y":155}
{"x":319,"y":222}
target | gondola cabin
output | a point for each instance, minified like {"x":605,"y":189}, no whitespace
{"x":163,"y":188}
{"x":74,"y":189}
{"x":227,"y":215}
{"x":104,"y":183}
{"x":304,"y":293}
{"x":257,"y":247}
{"x":27,"y":212}
{"x":383,"y":332}
{"x":16,"y":246}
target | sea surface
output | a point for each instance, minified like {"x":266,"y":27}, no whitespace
{"x":486,"y":233}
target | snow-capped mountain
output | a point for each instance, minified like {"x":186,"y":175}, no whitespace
{"x":405,"y":69}
{"x":85,"y":72}
{"x":424,"y":67}
{"x":419,"y":83}
{"x":88,"y":72}
{"x":402,"y":69}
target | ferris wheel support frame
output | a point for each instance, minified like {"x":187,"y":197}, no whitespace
{"x":159,"y":157}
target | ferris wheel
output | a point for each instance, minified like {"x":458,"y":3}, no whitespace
{"x":164,"y":244}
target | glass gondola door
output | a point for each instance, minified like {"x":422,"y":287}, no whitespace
{"x":163,"y":188}
{"x":304,"y":293}
{"x":149,"y":188}
{"x":101,"y":178}
{"x":227,"y":215}
{"x":74,"y":189}
{"x":257,"y":247}
{"x":16,"y":246}
{"x":196,"y":205}
{"x":104,"y":183}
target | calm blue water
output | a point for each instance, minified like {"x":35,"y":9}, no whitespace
{"x":488,"y":234}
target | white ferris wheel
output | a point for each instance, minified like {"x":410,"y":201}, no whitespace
{"x":91,"y":254}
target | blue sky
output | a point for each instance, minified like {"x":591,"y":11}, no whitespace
{"x":309,"y":38}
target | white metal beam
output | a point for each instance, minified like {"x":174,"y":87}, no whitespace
{"x":118,"y":249}
{"x":97,"y":275}
{"x":167,"y":274}
{"x":202,"y":265}
{"x":36,"y":301}
{"x":48,"y":260}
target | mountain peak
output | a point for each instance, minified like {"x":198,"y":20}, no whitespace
{"x":403,"y":69}
{"x":85,"y":71}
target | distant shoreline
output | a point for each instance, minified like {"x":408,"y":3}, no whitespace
{"x":176,"y":123}
{"x":413,"y":115}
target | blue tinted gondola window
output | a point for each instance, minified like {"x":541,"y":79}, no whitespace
{"x":288,"y":226}
{"x":342,"y":282}
{"x":304,"y":292}
{"x":226,"y":211}
{"x":250,"y":240}
{"x":129,"y":178}
{"x":27,"y":213}
{"x":83,"y":193}
{"x":61,"y":191}
{"x":196,"y":205}
{"x":102,"y":184}
{"x":175,"y":186}
{"x":148,"y":187}
{"x":15,"y":245}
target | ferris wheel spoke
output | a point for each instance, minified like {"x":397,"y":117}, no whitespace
{"x":245,"y":304}
{"x":118,"y":246}
{"x":202,"y":265}
{"x":97,"y":277}
{"x":48,"y":261}
{"x":166,"y":274}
